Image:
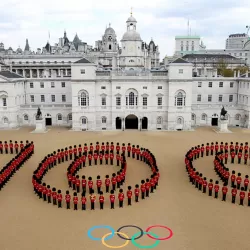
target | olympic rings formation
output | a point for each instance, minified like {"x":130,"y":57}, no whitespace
{"x":133,"y":239}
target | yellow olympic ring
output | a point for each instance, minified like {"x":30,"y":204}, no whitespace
{"x":115,"y":247}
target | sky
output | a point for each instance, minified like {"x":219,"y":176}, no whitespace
{"x":161,"y":20}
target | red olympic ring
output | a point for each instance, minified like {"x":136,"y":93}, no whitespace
{"x":166,"y":238}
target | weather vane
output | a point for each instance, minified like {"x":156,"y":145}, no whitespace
{"x":131,"y":11}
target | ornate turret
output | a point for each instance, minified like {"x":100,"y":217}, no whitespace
{"x":76,"y":42}
{"x":27,"y":47}
{"x":65,"y":39}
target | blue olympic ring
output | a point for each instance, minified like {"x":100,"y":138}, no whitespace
{"x":101,"y":226}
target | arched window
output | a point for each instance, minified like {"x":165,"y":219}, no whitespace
{"x":159,"y":120}
{"x":237,"y":117}
{"x":25,"y":117}
{"x":70,"y":117}
{"x":179,"y":120}
{"x":203,"y":117}
{"x":59,"y":117}
{"x":131,"y":99}
{"x":83,"y":99}
{"x":104,"y":119}
{"x":110,"y":47}
{"x":180,"y":99}
{"x":84,"y":120}
{"x":5,"y":120}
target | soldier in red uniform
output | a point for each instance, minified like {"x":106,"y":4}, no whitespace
{"x":207,"y":149}
{"x":112,"y":199}
{"x":74,"y":182}
{"x":67,"y":199}
{"x":6,"y":146}
{"x":90,"y":158}
{"x":95,"y":157}
{"x":59,"y":198}
{"x":117,"y":159}
{"x":107,"y":157}
{"x":198,"y":151}
{"x":123,"y":148}
{"x":129,"y":195}
{"x":84,"y":200}
{"x":226,"y":156}
{"x":90,"y":185}
{"x":44,"y":191}
{"x":70,"y":153}
{"x":238,"y":180}
{"x":85,"y":148}
{"x":1,"y":147}
{"x":200,"y":182}
{"x":84,"y":184}
{"x":78,"y":183}
{"x":216,"y":147}
{"x":118,"y":179}
{"x":107,"y":183}
{"x":58,"y":156}
{"x":49,"y":193}
{"x":232,"y":156}
{"x":129,"y":149}
{"x":97,"y":147}
{"x":246,"y":147}
{"x":137,"y":192}
{"x":75,"y":151}
{"x":239,"y":156}
{"x":11,"y":147}
{"x":210,"y":187}
{"x":98,"y":184}
{"x":79,"y":150}
{"x":117,"y":148}
{"x":66,"y":152}
{"x":212,"y":148}
{"x":241,"y":147}
{"x":113,"y":181}
{"x":62,"y":155}
{"x":54,"y":196}
{"x":75,"y":201}
{"x":111,"y":157}
{"x":143,"y":189}
{"x":202,"y":150}
{"x":224,"y":192}
{"x":152,"y":184}
{"x":92,"y":200}
{"x":242,"y":196}
{"x":234,"y":193}
{"x":233,"y":178}
{"x":102,"y":148}
{"x":245,"y":157}
{"x":147,"y":186}
{"x":221,"y":147}
{"x":91,"y":148}
{"x":121,"y":198}
{"x":137,"y":153}
{"x":204,"y":184}
{"x":133,"y":151}
{"x":216,"y":189}
{"x":246,"y":182}
{"x":236,"y":148}
{"x":101,"y":157}
{"x":101,"y":200}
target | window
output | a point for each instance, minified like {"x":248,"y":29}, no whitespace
{"x":104,"y":119}
{"x":240,"y":54}
{"x":145,"y":87}
{"x":32,"y":98}
{"x":180,"y":99}
{"x":83,"y":99}
{"x":53,"y":98}
{"x":220,"y":98}
{"x":25,"y":117}
{"x":131,"y":99}
{"x":59,"y":117}
{"x":110,"y":47}
{"x":159,"y":87}
{"x":41,"y":85}
{"x":221,"y":84}
{"x":104,"y":101}
{"x":199,"y":84}
{"x":198,"y":98}
{"x":231,"y":98}
{"x":159,"y":101}
{"x":209,"y":98}
{"x":5,"y":120}
{"x":82,"y":71}
{"x":203,"y":117}
{"x":63,"y":84}
{"x":70,"y":117}
{"x":118,"y":101}
{"x":118,"y":87}
{"x":31,"y":85}
{"x":180,"y":71}
{"x":4,"y":102}
{"x":245,"y":54}
{"x":42,"y":98}
{"x":210,"y":84}
{"x":144,"y":101}
{"x":231,"y":84}
{"x":52,"y":85}
{"x":63,"y":98}
{"x":237,"y":117}
{"x":103,"y":87}
{"x":159,"y":120}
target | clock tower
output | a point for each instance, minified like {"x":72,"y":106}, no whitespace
{"x":132,"y":54}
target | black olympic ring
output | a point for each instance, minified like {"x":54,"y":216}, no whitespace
{"x":138,"y":237}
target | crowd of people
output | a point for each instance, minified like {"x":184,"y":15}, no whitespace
{"x":23,"y":153}
{"x":222,"y":153}
{"x":90,"y":155}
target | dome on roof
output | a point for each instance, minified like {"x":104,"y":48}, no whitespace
{"x":131,"y":35}
{"x":109,"y":31}
{"x":131,"y":19}
{"x":10,"y":48}
{"x":19,"y":50}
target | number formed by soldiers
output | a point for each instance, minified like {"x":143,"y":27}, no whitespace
{"x":22,"y":153}
{"x":98,"y":154}
{"x":223,"y":153}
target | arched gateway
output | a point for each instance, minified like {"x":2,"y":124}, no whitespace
{"x":131,"y":122}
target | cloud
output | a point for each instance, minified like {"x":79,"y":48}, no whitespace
{"x":161,"y":20}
